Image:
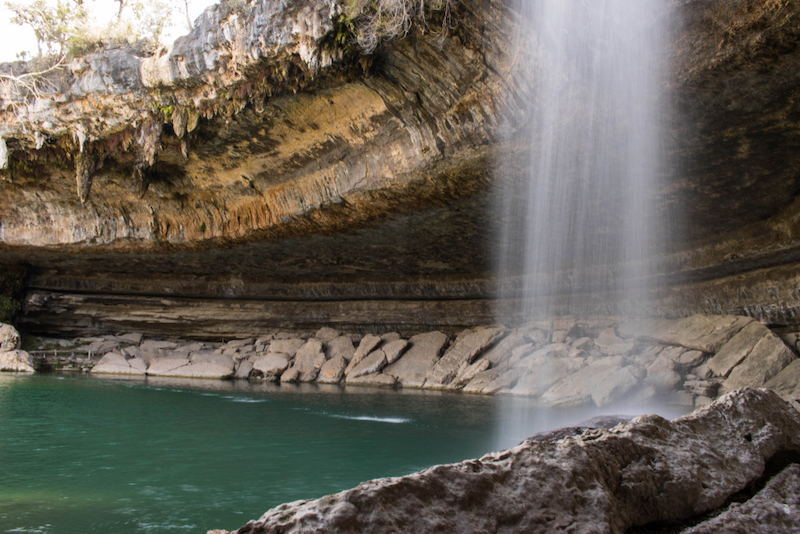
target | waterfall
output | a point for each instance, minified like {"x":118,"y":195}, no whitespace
{"x":581,"y":227}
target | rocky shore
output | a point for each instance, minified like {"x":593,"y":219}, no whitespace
{"x":728,"y":467}
{"x":566,"y":361}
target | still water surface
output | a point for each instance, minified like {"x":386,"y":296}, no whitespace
{"x":80,"y":454}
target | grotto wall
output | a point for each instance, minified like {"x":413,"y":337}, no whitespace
{"x":263,"y":161}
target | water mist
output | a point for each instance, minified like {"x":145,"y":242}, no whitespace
{"x":581,"y":231}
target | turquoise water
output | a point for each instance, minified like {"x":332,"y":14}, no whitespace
{"x":80,"y":454}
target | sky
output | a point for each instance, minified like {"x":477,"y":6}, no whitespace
{"x":15,"y":39}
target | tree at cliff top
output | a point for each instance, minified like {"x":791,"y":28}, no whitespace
{"x":68,"y":27}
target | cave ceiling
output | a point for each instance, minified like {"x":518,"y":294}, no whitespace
{"x":243,"y":160}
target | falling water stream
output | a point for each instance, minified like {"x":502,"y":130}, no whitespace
{"x":581,"y":225}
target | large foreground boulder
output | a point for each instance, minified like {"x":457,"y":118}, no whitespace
{"x":646,"y":471}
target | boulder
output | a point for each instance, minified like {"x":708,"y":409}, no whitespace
{"x":332,"y":371}
{"x":138,"y":364}
{"x":134,"y":338}
{"x":614,"y":386}
{"x":504,"y":381}
{"x":212,"y":357}
{"x":186,"y":348}
{"x":341,"y":346}
{"x":113,"y":358}
{"x":483,"y":379}
{"x":309,"y":360}
{"x":270,"y":366}
{"x":16,"y":361}
{"x":394,"y":349}
{"x":773,"y":510}
{"x":368,"y":344}
{"x":163,"y":365}
{"x":376,"y":379}
{"x":390,"y":336}
{"x":103,"y":346}
{"x":707,"y":333}
{"x":768,"y":358}
{"x":579,"y":387}
{"x":9,"y":338}
{"x":787,"y":383}
{"x":736,"y":350}
{"x":465,"y":349}
{"x":641,"y":473}
{"x":423,"y":352}
{"x":583,"y":343}
{"x":545,"y":373}
{"x":116,"y":369}
{"x":289,"y":376}
{"x":151,"y":345}
{"x":326,"y":334}
{"x":372,"y":364}
{"x":287,"y":346}
{"x":243,"y":369}
{"x":238,"y":343}
{"x":468,"y":372}
{"x":198,"y":370}
{"x":501,"y":352}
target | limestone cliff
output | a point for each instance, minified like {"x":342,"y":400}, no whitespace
{"x":263,"y":157}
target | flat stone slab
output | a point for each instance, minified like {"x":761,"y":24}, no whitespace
{"x":465,"y":349}
{"x":372,"y":364}
{"x":163,"y":365}
{"x":394,"y":349}
{"x":377,"y":379}
{"x":113,"y":358}
{"x":707,"y":333}
{"x":243,"y":369}
{"x":332,"y":371}
{"x":546,"y":372}
{"x":212,"y":357}
{"x":768,"y":358}
{"x":151,"y":345}
{"x":423,"y":352}
{"x":736,"y":350}
{"x":582,"y":386}
{"x":198,"y":370}
{"x":116,"y":369}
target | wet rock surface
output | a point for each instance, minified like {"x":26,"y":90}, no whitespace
{"x":648,"y":471}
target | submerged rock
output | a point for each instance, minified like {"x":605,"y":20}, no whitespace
{"x":646,"y":471}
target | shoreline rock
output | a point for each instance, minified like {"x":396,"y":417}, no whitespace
{"x":565,"y":361}
{"x":646,"y":471}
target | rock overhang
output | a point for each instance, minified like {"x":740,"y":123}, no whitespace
{"x":380,"y":169}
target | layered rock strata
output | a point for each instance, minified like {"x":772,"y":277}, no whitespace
{"x":648,"y":472}
{"x":264,"y":126}
{"x":567,"y":361}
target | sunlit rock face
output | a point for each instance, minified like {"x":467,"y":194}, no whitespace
{"x":265,"y":160}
